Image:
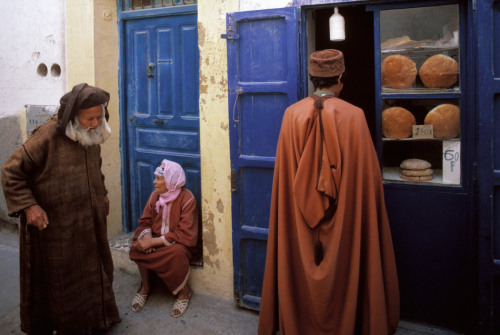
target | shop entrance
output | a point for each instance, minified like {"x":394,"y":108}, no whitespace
{"x":359,"y":78}
{"x":430,"y":222}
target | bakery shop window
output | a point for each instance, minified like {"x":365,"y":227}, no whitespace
{"x":420,"y":49}
{"x":421,"y":140}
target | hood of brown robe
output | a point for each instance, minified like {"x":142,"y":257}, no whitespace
{"x":354,"y":290}
{"x":82,"y":96}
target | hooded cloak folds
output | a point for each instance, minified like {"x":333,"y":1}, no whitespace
{"x":354,"y":290}
{"x":66,"y":270}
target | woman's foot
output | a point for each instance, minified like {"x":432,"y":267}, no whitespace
{"x":140,"y":298}
{"x":182,"y":302}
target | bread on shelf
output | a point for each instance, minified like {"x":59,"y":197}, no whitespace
{"x":397,"y":123}
{"x":398,"y":71}
{"x":439,"y":71}
{"x":415,"y":169}
{"x":445,"y":121}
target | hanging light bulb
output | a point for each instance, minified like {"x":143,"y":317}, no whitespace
{"x":337,"y":26}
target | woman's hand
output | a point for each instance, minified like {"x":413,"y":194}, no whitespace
{"x":144,"y":244}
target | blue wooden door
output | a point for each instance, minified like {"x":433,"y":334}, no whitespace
{"x":161,"y":102}
{"x":488,"y":175}
{"x":262,"y":68}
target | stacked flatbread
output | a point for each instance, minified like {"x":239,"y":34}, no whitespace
{"x":415,"y":169}
{"x":395,"y":42}
{"x":398,"y":71}
{"x":397,"y":122}
{"x":445,"y":121}
{"x":439,"y":71}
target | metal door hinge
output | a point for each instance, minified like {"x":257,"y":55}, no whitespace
{"x":230,"y":33}
{"x":233,"y":180}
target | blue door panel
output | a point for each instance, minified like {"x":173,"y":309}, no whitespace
{"x":157,"y":126}
{"x":165,"y":71}
{"x":253,"y":258}
{"x":265,"y":48}
{"x":496,"y":129}
{"x":431,"y":239}
{"x":488,"y":173}
{"x":256,"y":187}
{"x":140,"y":103}
{"x":180,"y":142}
{"x":262,"y":59}
{"x":496,"y":223}
{"x":261,"y":122}
{"x":189,"y":80}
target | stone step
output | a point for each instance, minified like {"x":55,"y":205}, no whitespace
{"x":120,"y":246}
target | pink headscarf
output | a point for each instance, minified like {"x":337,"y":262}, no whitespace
{"x":174,"y":180}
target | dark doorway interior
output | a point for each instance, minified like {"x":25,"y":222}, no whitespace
{"x":358,"y":49}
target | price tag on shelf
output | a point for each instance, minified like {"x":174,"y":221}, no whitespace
{"x":451,"y":162}
{"x":422,"y":131}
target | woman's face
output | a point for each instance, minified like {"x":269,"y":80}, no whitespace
{"x":160,"y":186}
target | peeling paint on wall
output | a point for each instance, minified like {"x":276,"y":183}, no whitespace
{"x":217,"y":274}
{"x":220,"y":206}
{"x":209,"y":238}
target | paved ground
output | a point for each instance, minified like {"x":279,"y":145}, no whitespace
{"x":206,"y":315}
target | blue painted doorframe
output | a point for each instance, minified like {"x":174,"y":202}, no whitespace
{"x":487,"y":53}
{"x":159,"y":111}
{"x":262,"y":51}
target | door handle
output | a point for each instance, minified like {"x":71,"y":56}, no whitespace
{"x":160,"y":122}
{"x":150,"y":72}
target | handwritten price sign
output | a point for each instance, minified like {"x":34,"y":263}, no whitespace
{"x":451,"y":162}
{"x":422,"y":131}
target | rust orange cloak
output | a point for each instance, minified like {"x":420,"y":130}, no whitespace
{"x":354,"y":290}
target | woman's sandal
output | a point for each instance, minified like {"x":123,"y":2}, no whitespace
{"x":181,"y":306}
{"x":139,"y":301}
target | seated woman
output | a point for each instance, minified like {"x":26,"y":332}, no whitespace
{"x":167,"y":236}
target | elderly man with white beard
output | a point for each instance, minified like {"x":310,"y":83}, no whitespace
{"x":55,"y":184}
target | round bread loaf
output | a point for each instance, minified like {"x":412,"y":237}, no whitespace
{"x":421,"y":178}
{"x":445,"y":121}
{"x":439,"y":71}
{"x":415,"y":164}
{"x":398,"y":71}
{"x":416,"y":173}
{"x":397,"y":122}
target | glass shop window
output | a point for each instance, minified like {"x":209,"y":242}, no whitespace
{"x":420,"y":49}
{"x":420,"y":95}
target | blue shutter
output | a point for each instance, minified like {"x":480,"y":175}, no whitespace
{"x":488,"y":174}
{"x":262,"y":55}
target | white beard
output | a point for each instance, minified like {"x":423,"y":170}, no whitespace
{"x":97,"y":136}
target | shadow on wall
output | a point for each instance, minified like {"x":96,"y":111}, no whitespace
{"x":10,"y":139}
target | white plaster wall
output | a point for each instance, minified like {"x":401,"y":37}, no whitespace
{"x":246,"y":5}
{"x":32,"y":33}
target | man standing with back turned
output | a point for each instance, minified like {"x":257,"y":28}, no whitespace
{"x":330,"y":266}
{"x":54,"y":182}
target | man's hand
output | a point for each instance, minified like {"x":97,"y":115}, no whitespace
{"x":106,"y":205}
{"x":37,"y":217}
